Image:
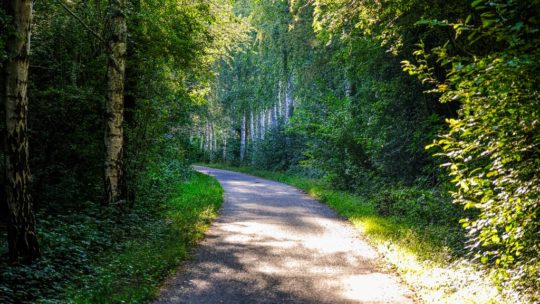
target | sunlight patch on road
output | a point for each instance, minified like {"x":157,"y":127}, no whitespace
{"x":372,"y":287}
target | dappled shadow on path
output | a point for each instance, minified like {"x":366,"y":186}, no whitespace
{"x":272,"y":244}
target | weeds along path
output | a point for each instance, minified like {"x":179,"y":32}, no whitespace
{"x":274,"y":244}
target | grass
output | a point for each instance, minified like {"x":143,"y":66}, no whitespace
{"x":90,"y":256}
{"x":133,"y":274}
{"x":424,"y":255}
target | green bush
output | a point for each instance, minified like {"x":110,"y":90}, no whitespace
{"x":423,"y":206}
{"x":492,"y":147}
{"x":278,"y":151}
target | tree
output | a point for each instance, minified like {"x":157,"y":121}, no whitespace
{"x":243,"y":137}
{"x":114,"y":133}
{"x":22,"y":238}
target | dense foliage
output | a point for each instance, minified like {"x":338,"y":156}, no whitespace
{"x":353,"y":91}
{"x":348,"y":92}
{"x":171,"y":44}
{"x":492,"y":147}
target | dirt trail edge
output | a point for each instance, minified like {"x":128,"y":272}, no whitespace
{"x":274,"y":244}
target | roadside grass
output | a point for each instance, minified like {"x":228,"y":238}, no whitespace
{"x":134,"y":273}
{"x":93,"y":255}
{"x":428,"y":255}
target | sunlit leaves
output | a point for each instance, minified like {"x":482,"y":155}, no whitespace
{"x":492,"y":147}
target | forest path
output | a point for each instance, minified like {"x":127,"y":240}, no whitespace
{"x":274,"y":244}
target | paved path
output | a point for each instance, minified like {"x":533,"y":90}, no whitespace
{"x":273,"y":244}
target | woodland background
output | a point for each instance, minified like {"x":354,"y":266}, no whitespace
{"x":428,"y":110}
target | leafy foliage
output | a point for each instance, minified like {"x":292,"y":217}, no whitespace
{"x":492,"y":147}
{"x":88,"y":248}
{"x":93,"y":258}
{"x":364,"y":123}
{"x":312,"y":87}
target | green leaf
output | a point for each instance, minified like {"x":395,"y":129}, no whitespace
{"x":475,"y":3}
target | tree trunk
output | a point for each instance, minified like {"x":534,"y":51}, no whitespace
{"x":269,"y":118}
{"x":22,"y":239}
{"x":253,"y":133}
{"x":114,"y":133}
{"x":252,"y":128}
{"x":280,"y":100}
{"x":243,"y":137}
{"x":287,"y":104}
{"x":213,"y":142}
{"x":224,"y":133}
{"x":201,"y":139}
{"x":206,"y":138}
{"x":275,"y":116}
{"x":289,"y":100}
{"x":214,"y":136}
{"x":285,"y":84}
{"x":261,"y":123}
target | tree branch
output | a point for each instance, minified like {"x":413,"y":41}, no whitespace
{"x":88,"y":28}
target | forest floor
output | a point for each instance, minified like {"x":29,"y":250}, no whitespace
{"x":274,"y":244}
{"x":90,"y":257}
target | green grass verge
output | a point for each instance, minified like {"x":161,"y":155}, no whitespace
{"x":133,"y":272}
{"x":424,"y":255}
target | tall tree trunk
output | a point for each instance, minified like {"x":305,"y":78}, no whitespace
{"x":207,"y":138}
{"x":289,"y":99}
{"x":275,"y":116}
{"x":252,"y":128}
{"x":253,"y":133}
{"x":201,"y":139}
{"x":214,"y":136}
{"x":224,"y":133}
{"x":262,"y":124}
{"x":114,"y":133}
{"x":286,"y":83}
{"x":269,"y":118}
{"x":213,"y":143}
{"x":243,"y":137}
{"x":210,"y":139}
{"x":280,"y":100}
{"x":22,"y":239}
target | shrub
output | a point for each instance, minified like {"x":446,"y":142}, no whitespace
{"x":492,"y":147}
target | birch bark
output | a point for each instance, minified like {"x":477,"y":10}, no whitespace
{"x":114,"y":133}
{"x":251,"y":128}
{"x":243,"y":137}
{"x":280,"y":100}
{"x":22,"y":239}
{"x":224,"y":133}
{"x":214,"y":139}
{"x":263,"y":124}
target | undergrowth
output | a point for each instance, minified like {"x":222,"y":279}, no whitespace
{"x":417,"y":231}
{"x":91,"y":257}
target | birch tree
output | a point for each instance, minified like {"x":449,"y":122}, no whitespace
{"x":224,"y":136}
{"x":22,"y":239}
{"x":114,"y":133}
{"x":251,"y":127}
{"x":243,"y":137}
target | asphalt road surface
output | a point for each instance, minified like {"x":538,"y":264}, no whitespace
{"x":274,"y":244}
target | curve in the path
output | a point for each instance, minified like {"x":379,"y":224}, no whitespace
{"x":274,"y":244}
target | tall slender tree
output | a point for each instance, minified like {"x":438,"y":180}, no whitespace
{"x":22,"y":239}
{"x":114,"y":133}
{"x":243,"y":137}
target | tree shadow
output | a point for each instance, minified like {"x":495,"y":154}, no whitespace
{"x":273,"y":244}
